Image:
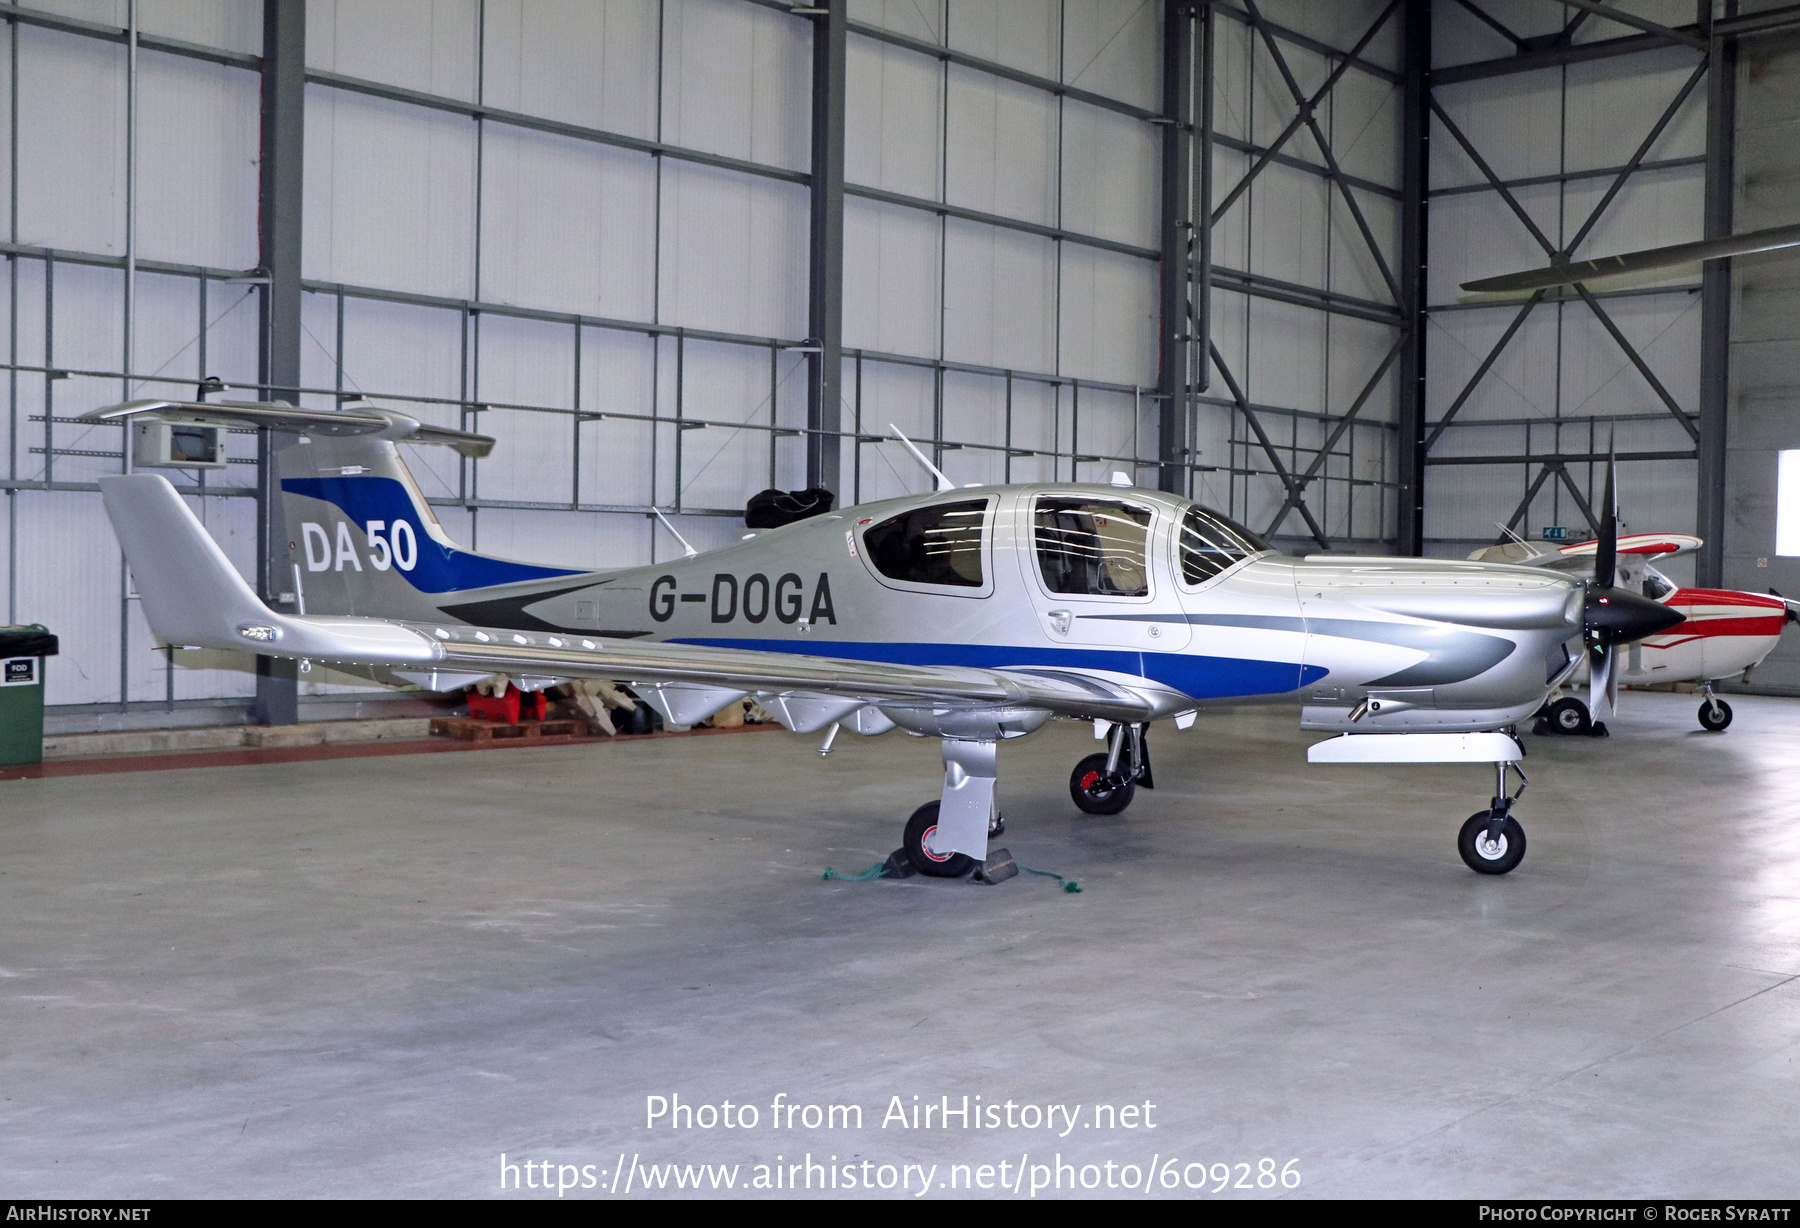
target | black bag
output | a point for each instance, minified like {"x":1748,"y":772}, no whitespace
{"x":773,"y":508}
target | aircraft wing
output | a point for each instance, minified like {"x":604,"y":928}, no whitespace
{"x":193,"y":596}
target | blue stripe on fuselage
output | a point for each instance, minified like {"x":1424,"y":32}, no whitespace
{"x":1194,"y":675}
{"x":440,"y":568}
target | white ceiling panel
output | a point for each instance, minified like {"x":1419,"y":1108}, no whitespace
{"x":1002,"y":147}
{"x":426,"y":45}
{"x":734,"y":81}
{"x":1000,"y":289}
{"x":390,"y":195}
{"x":567,"y":225}
{"x":734,"y":251}
{"x":588,"y":62}
{"x":893,"y":117}
{"x":891,"y":278}
{"x":1110,"y":314}
{"x":1111,"y":175}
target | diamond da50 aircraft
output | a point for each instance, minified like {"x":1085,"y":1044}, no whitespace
{"x":971,"y":615}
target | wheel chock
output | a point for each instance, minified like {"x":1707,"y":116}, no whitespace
{"x":999,"y":867}
{"x":898,"y":865}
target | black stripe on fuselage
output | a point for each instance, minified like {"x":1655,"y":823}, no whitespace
{"x":1453,"y":654}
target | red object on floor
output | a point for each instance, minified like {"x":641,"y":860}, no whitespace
{"x":510,"y":706}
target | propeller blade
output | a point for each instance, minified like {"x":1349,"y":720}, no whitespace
{"x":1603,"y":687}
{"x":1769,"y":240}
{"x":1606,"y":553}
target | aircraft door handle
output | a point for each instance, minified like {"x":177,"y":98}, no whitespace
{"x":1059,"y":621}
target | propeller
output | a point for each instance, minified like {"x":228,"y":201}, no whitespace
{"x":1612,"y":617}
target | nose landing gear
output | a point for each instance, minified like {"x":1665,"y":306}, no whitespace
{"x":1106,"y":783}
{"x":1492,"y":841}
{"x":1715,"y":713}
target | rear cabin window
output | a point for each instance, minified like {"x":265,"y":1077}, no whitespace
{"x":931,"y":545}
{"x":1210,"y":543}
{"x":1092,"y":547}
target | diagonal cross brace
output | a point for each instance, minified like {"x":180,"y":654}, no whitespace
{"x":1493,"y":355}
{"x":1331,"y":163}
{"x":1606,"y":321}
{"x":1318,"y":96}
{"x":1268,"y":447}
{"x":1337,"y":433}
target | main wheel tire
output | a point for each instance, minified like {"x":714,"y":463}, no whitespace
{"x":924,"y":821}
{"x":1711,"y":722}
{"x":1570,"y":716}
{"x":1093,"y":793}
{"x":1498,"y":857}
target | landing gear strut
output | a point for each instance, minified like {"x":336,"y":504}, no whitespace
{"x":948,"y":838}
{"x":1492,"y":841}
{"x":1715,"y":713}
{"x":1106,"y":783}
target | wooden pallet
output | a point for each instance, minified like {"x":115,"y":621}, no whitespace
{"x":471,"y":729}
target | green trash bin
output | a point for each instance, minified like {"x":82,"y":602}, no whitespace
{"x":22,"y":653}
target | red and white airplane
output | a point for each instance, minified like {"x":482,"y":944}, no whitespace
{"x":1727,"y":632}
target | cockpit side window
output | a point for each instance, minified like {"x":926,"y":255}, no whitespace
{"x":1092,"y":547}
{"x":1210,"y":543}
{"x":1656,"y":587}
{"x":940,"y":544}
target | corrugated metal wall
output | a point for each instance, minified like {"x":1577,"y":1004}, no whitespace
{"x":606,"y":267}
{"x":1557,"y":137}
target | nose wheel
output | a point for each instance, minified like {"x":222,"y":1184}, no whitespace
{"x":1492,"y":841}
{"x":1715,"y":713}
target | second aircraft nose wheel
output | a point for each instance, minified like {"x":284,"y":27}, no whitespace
{"x":1570,"y":716}
{"x":1715,"y":714}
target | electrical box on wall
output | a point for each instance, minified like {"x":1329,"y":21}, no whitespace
{"x":177,"y":445}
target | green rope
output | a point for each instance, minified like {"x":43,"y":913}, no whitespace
{"x":874,"y":871}
{"x":879,"y":870}
{"x":1068,"y":884}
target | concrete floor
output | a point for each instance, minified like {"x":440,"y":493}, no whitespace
{"x":372,"y":977}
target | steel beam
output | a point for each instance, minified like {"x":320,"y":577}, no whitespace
{"x":1173,"y":344}
{"x":825,"y":287}
{"x":1268,"y":446}
{"x":1624,"y":18}
{"x":1596,"y":172}
{"x":280,"y":192}
{"x":1555,"y":56}
{"x":1562,"y":458}
{"x":1715,"y":313}
{"x":1415,"y":170}
{"x":1325,"y":150}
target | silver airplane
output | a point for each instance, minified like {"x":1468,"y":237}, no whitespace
{"x":972,"y":615}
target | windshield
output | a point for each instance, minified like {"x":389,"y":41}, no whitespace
{"x":1210,"y":543}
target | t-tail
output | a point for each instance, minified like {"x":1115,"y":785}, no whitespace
{"x":362,"y":539}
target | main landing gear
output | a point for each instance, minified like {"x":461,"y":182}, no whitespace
{"x":1715,"y":713}
{"x":1569,"y":716}
{"x":949,"y":838}
{"x":1492,"y":841}
{"x":1106,"y":783}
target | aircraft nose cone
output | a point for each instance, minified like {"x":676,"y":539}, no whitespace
{"x":1615,"y":616}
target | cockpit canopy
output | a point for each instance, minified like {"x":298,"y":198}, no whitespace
{"x":1093,"y":545}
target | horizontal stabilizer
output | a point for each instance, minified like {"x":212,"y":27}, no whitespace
{"x":385,"y":423}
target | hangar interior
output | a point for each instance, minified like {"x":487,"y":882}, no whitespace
{"x":670,"y":253}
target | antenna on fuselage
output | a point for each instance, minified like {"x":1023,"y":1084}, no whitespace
{"x":943,"y":482}
{"x":686,"y":550}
